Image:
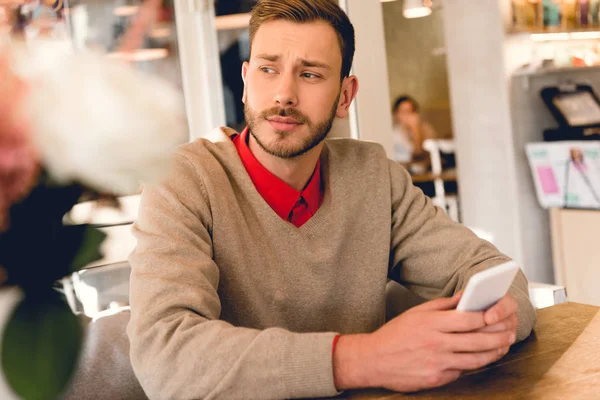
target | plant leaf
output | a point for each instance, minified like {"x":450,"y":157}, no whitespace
{"x":40,"y":348}
{"x":89,"y":251}
{"x":38,"y":249}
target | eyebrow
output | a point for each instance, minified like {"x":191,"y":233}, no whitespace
{"x":303,"y":62}
{"x":314,"y":64}
{"x":268,"y":57}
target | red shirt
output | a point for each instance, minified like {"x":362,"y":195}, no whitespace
{"x":291,"y":205}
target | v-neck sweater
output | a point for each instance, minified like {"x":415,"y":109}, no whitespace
{"x":230,"y":301}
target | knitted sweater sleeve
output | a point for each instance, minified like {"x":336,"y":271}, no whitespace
{"x":179,"y":347}
{"x":434,"y":257}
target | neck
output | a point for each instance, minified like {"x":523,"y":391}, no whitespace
{"x":296,"y":171}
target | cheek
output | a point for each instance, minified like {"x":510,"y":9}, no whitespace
{"x":318,"y":103}
{"x":256,"y":94}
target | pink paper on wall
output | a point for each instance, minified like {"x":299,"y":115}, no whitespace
{"x":548,"y":180}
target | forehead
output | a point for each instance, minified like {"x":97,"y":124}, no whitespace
{"x":315,"y":40}
{"x":406,"y":106}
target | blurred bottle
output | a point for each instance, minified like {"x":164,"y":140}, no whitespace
{"x":583,"y":13}
{"x":551,"y":12}
{"x":568,"y":10}
{"x":527,"y":14}
{"x":594,"y":11}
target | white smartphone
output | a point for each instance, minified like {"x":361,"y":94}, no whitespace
{"x":486,"y":288}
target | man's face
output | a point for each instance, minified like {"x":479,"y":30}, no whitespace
{"x":292,"y":86}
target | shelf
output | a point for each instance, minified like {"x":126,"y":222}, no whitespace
{"x":518,"y":31}
{"x":553,"y":70}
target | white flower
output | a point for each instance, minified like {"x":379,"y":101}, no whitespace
{"x":98,"y":121}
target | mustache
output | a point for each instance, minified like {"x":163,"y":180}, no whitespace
{"x":285,"y":112}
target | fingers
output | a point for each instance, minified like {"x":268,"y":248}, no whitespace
{"x":509,"y":324}
{"x":478,"y":342}
{"x":503,"y":309}
{"x":471,"y":361}
{"x":503,"y":351}
{"x":444,"y":303}
{"x":443,"y":378}
{"x":458,"y":321}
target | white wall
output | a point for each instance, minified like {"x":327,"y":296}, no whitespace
{"x":481,"y":120}
{"x":200,"y":66}
{"x":371,"y":112}
{"x":493,"y":171}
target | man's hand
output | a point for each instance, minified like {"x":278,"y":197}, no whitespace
{"x":427,"y":346}
{"x":502,"y":316}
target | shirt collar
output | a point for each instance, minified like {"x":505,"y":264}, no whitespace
{"x":280,"y":196}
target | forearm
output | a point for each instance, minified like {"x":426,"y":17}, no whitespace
{"x":526,"y":315}
{"x":181,"y":358}
{"x":435,"y":257}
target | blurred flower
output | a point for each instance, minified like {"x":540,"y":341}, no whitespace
{"x":105,"y":125}
{"x":88,"y":126}
{"x":18,"y":160}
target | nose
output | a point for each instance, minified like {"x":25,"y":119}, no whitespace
{"x":286,"y":94}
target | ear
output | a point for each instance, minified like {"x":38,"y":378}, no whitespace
{"x":348,"y":93}
{"x":245,"y":67}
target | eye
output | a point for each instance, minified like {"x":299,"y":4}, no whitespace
{"x":309,"y":75}
{"x":267,"y":70}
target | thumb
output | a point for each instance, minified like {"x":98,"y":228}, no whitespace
{"x":441,"y":304}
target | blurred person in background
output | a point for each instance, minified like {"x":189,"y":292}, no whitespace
{"x":410,"y":131}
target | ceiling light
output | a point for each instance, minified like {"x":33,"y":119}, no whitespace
{"x":416,"y":8}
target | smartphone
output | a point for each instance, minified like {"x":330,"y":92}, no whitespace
{"x":486,"y":288}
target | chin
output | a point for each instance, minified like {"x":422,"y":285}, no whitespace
{"x":277,"y":144}
{"x":284,"y":148}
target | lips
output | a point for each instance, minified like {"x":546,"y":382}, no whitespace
{"x":283,"y":123}
{"x":284,"y":120}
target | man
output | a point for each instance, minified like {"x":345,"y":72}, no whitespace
{"x":262,"y":263}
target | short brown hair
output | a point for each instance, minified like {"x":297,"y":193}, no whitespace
{"x":301,"y":11}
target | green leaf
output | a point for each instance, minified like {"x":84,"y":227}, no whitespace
{"x":40,"y":348}
{"x":90,"y":248}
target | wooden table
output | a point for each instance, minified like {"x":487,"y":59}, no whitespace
{"x":446,"y":176}
{"x":561,"y":360}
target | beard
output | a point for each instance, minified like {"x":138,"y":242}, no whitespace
{"x":283,"y":145}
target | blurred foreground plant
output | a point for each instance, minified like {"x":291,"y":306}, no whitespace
{"x":71,"y":126}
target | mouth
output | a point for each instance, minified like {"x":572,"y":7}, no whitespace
{"x":284,"y":123}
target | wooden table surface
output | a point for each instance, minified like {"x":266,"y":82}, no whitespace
{"x":561,"y":360}
{"x":446,"y":176}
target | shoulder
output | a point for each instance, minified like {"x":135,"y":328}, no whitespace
{"x":354,"y":161}
{"x":206,"y":159}
{"x":197,"y":168}
{"x":216,"y":144}
{"x":355,"y":150}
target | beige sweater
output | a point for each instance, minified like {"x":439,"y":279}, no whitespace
{"x":230,"y":301}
